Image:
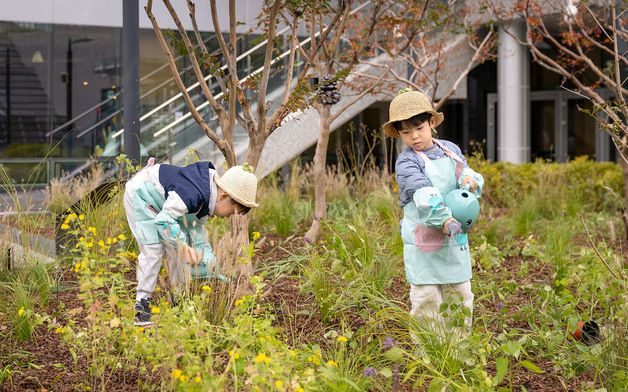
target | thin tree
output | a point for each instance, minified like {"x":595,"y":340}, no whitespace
{"x":342,"y":50}
{"x":425,"y":39}
{"x":244,"y":99}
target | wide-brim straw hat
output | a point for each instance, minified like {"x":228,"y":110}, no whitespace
{"x":407,"y":105}
{"x":240,"y":184}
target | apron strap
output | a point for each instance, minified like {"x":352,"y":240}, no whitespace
{"x":456,"y":158}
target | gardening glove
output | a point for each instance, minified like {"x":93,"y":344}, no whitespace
{"x":473,"y":185}
{"x":452,"y":227}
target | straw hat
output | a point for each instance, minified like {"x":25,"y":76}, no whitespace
{"x":409,"y":104}
{"x":240,"y":183}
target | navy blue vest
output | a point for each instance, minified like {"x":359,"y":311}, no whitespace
{"x":191,"y":184}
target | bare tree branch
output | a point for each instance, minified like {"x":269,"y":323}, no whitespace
{"x":366,"y":91}
{"x":268,"y":56}
{"x":465,"y":72}
{"x":220,"y":143}
{"x":220,"y":111}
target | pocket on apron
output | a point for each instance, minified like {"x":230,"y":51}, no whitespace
{"x":428,"y":239}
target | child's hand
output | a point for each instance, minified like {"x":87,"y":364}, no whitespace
{"x":473,"y":185}
{"x":188,"y":255}
{"x":452,"y":227}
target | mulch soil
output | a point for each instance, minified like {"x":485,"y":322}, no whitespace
{"x":45,"y":363}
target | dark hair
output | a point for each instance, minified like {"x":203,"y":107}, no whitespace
{"x":412,"y":122}
{"x":242,"y":209}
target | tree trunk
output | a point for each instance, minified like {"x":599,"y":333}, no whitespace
{"x":320,"y":176}
{"x":256,"y":145}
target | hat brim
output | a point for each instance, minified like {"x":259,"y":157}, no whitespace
{"x":390,"y":130}
{"x":250,"y":204}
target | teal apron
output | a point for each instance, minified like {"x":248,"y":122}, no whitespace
{"x":430,"y":256}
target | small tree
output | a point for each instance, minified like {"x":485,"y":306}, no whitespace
{"x":237,"y":106}
{"x":582,"y":28}
{"x":342,"y":50}
{"x":426,"y":38}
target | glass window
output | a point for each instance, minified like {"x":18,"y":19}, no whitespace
{"x":542,"y":129}
{"x":581,"y":129}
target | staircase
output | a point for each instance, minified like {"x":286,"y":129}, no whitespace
{"x":168,"y":131}
{"x":23,"y":101}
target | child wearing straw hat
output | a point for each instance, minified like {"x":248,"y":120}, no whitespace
{"x":436,"y":251}
{"x":166,"y":207}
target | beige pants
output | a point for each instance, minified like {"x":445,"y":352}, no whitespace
{"x":427,"y":299}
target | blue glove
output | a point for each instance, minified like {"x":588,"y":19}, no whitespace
{"x":453,"y":228}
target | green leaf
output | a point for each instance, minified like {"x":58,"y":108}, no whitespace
{"x":386,"y":372}
{"x":512,"y":348}
{"x":394,"y":354}
{"x":437,"y":385}
{"x":531,"y":366}
{"x":502,"y":369}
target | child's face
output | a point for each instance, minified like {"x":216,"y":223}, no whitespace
{"x":225,"y":206}
{"x":418,"y":137}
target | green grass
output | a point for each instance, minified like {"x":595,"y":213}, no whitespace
{"x":536,"y":275}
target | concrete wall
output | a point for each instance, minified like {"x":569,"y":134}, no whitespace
{"x":109,"y":13}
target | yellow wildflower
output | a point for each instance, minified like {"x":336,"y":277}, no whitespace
{"x":183,"y":378}
{"x":101,"y":243}
{"x":315,"y":359}
{"x":114,"y":240}
{"x":89,"y":244}
{"x":261,"y":357}
{"x":65,"y":226}
{"x":82,"y":217}
{"x":278,"y":384}
{"x":341,"y":339}
{"x":239,"y":302}
{"x":81,"y":239}
{"x":176,"y":373}
{"x":332,"y":363}
{"x":21,"y":312}
{"x":157,"y":289}
{"x":121,"y":237}
{"x":206,"y":289}
{"x":60,"y":330}
{"x":256,"y":235}
{"x":299,"y":389}
{"x":197,"y":379}
{"x":234,"y":354}
{"x":92,"y":230}
{"x":108,"y":240}
{"x":155,"y":310}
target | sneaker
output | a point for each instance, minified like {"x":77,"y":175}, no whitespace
{"x":142,"y":314}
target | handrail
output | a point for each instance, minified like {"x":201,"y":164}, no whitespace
{"x":219,"y":95}
{"x":103,"y":102}
{"x":195,"y":85}
{"x":224,"y":67}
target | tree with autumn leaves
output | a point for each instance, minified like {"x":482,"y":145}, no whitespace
{"x":589,"y":44}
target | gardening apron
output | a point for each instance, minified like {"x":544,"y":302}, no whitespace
{"x":430,"y":256}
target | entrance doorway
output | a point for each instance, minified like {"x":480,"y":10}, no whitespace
{"x":559,"y":129}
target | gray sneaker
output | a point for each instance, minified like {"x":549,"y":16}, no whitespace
{"x":142,"y":313}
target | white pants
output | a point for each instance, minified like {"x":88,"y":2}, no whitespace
{"x":149,"y":259}
{"x":427,"y":299}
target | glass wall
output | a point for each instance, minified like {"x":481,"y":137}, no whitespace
{"x":49,"y":74}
